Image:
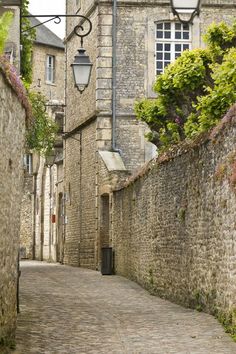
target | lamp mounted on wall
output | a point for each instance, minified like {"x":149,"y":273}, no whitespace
{"x":82,"y":65}
{"x":50,"y":158}
{"x":183,"y":8}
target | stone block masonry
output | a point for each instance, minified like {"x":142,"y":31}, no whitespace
{"x":174,"y":225}
{"x":12,"y":132}
{"x":26,"y":247}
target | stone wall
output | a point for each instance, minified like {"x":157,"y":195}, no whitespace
{"x":12,"y":131}
{"x":48,"y":215}
{"x":174,"y":225}
{"x":80,"y":198}
{"x":26,"y":227}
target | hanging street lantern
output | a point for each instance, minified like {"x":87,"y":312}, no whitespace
{"x":185,"y":10}
{"x":82,"y":65}
{"x":82,"y":68}
{"x":50,"y":158}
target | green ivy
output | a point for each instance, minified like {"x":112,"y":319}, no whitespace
{"x":27,"y":39}
{"x":42,"y":132}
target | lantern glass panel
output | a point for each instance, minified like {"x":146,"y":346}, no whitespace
{"x":81,"y":74}
{"x":185,"y":4}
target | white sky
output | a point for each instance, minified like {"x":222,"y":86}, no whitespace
{"x":47,"y":7}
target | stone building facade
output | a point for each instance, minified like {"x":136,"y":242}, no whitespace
{"x":48,"y":202}
{"x":43,"y":182}
{"x":12,"y":136}
{"x":104,"y":142}
{"x":173,"y":227}
{"x":48,"y":61}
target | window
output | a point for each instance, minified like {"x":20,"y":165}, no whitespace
{"x":28,"y":163}
{"x":50,"y":69}
{"x":171,"y":40}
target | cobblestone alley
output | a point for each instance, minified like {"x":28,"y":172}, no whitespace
{"x":66,"y":310}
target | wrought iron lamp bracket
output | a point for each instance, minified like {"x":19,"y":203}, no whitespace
{"x":78,"y":30}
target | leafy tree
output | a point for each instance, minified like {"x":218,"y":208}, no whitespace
{"x":195,"y":91}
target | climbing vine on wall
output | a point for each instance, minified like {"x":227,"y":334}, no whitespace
{"x":42,"y":132}
{"x":27,"y":38}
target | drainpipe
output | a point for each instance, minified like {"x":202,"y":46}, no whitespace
{"x":114,"y":35}
{"x":34,"y":214}
{"x":42,"y":213}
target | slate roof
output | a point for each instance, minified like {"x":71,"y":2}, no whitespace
{"x":45,"y":36}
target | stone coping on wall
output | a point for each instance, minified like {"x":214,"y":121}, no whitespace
{"x":184,"y":147}
{"x":11,"y":77}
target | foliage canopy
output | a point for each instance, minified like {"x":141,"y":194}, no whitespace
{"x":195,"y":91}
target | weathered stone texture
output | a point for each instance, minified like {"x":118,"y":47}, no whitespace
{"x":81,"y":107}
{"x":54,"y":91}
{"x":26,"y":227}
{"x":80,"y":198}
{"x":12,"y":131}
{"x":134,"y":148}
{"x":92,"y":110}
{"x":174,"y":227}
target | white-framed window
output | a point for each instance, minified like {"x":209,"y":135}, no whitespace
{"x":50,"y":69}
{"x":172,"y":38}
{"x":28,"y":163}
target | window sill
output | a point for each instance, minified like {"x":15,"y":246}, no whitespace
{"x":50,"y":83}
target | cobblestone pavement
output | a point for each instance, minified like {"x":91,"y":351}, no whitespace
{"x":66,"y":310}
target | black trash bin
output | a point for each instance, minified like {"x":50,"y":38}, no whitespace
{"x":107,"y":261}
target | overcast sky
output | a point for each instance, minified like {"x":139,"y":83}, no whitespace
{"x":47,"y":7}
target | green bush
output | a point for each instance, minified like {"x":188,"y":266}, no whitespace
{"x":194,"y":92}
{"x":213,"y":106}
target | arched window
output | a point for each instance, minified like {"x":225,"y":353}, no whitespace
{"x":172,"y":38}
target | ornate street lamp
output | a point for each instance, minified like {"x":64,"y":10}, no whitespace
{"x":190,"y":8}
{"x":50,"y":158}
{"x":82,"y":65}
